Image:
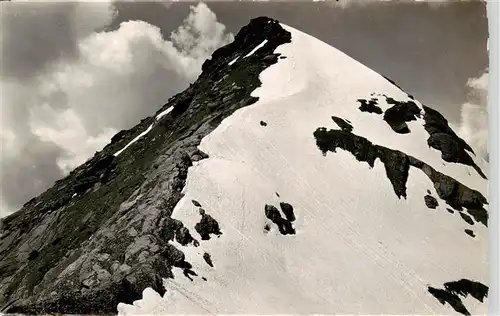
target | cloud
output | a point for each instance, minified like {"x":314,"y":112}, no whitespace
{"x":431,"y":3}
{"x":34,"y":34}
{"x":474,"y":115}
{"x":72,"y":106}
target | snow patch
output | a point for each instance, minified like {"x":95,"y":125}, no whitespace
{"x":157,"y":118}
{"x":162,"y":114}
{"x":134,"y":140}
{"x":233,"y":61}
{"x":256,"y":48}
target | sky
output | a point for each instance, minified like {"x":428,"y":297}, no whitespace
{"x":73,"y":74}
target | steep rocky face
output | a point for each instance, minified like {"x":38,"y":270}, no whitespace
{"x":102,"y":234}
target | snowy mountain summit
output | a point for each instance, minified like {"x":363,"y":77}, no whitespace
{"x":288,"y":179}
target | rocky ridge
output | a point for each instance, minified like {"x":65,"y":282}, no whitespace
{"x":104,"y":233}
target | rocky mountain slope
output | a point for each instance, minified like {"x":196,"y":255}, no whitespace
{"x":288,"y":178}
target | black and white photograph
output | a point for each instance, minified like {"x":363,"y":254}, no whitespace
{"x":244,"y":157}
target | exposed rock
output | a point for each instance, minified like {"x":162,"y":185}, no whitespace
{"x":444,"y":139}
{"x":345,"y":126}
{"x":466,"y":218}
{"x":369,"y":106}
{"x":470,"y":232}
{"x":136,"y":192}
{"x":466,"y":287}
{"x":397,"y":165}
{"x":453,"y":290}
{"x":287,"y":209}
{"x":400,"y":113}
{"x":284,"y":225}
{"x":183,"y":237}
{"x":444,"y":297}
{"x":431,"y":201}
{"x":207,"y":226}
{"x":267,"y":228}
{"x":208,"y":259}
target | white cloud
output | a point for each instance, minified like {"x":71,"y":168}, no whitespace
{"x":474,"y":115}
{"x":431,"y":3}
{"x":118,"y":78}
{"x":66,"y":130}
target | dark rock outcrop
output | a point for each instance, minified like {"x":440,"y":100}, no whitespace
{"x":443,"y":138}
{"x":207,"y":226}
{"x":431,"y":201}
{"x":466,"y":218}
{"x":287,"y":209}
{"x":400,"y":113}
{"x":470,"y":232}
{"x":370,"y":106}
{"x":208,"y":259}
{"x":284,"y":225}
{"x":397,"y":165}
{"x":344,"y":125}
{"x":453,"y":290}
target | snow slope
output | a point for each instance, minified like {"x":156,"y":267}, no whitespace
{"x":358,"y":248}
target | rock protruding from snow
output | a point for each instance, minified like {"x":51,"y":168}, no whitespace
{"x":453,"y":291}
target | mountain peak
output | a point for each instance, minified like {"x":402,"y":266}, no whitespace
{"x":250,"y":36}
{"x":288,"y":178}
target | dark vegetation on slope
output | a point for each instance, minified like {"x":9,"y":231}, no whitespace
{"x":112,"y":250}
{"x":397,"y":165}
{"x":453,"y":290}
